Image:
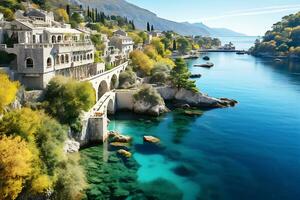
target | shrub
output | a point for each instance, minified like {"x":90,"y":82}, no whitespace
{"x":127,"y":79}
{"x":148,"y":94}
{"x":159,"y":78}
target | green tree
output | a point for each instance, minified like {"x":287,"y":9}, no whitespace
{"x":67,"y":99}
{"x":180,"y":76}
{"x":184,"y":45}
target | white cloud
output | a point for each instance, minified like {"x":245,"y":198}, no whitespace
{"x":256,"y":11}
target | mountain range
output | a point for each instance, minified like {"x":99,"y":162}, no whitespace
{"x":141,"y":16}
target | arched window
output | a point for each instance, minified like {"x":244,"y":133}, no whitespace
{"x":67,"y":58}
{"x":91,"y":56}
{"x":53,"y":39}
{"x":57,"y":60}
{"x":77,"y":58}
{"x":88,"y":56}
{"x":62,"y":59}
{"x":29,"y":63}
{"x":59,"y":38}
{"x":49,"y":62}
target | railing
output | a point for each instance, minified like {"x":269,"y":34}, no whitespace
{"x":106,"y":72}
{"x":51,"y":45}
{"x":99,"y":105}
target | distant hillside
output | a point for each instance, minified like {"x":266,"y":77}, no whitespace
{"x":142,"y":16}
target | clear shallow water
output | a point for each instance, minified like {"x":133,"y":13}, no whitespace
{"x":251,"y":151}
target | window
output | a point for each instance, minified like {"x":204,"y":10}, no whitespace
{"x":59,"y":38}
{"x":33,"y":39}
{"x":62,"y":59}
{"x":67,"y":58}
{"x":74,"y":58}
{"x":57,"y":60}
{"x":91,"y":56}
{"x":88,"y":56}
{"x":53,"y":39}
{"x":49,"y":62}
{"x":29,"y":63}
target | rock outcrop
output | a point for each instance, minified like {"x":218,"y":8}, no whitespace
{"x":143,"y":107}
{"x":151,"y":140}
{"x":71,"y":146}
{"x":194,"y":99}
{"x":117,"y":137}
{"x":148,"y":101}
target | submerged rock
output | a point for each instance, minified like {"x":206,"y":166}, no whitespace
{"x":114,"y":146}
{"x":184,"y":170}
{"x":192,"y":112}
{"x":151,"y":139}
{"x":124,"y":153}
{"x":159,"y":189}
{"x":116,"y":137}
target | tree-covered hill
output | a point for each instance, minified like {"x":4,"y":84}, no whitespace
{"x":282,"y":40}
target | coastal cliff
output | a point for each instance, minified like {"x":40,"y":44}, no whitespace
{"x":194,"y":99}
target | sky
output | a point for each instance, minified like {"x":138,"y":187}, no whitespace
{"x":251,"y":17}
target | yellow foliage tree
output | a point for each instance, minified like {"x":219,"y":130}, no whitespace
{"x":141,"y":61}
{"x":24,"y":122}
{"x":8,"y":91}
{"x":159,"y":46}
{"x":150,"y":51}
{"x":15,"y":166}
{"x":135,"y":37}
{"x":62,"y":15}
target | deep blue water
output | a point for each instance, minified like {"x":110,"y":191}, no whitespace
{"x":251,"y":151}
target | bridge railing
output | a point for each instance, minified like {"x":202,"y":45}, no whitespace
{"x":125,"y":64}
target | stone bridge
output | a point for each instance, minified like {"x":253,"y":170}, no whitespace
{"x":107,"y":80}
{"x":95,"y":121}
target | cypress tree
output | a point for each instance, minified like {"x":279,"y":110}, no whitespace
{"x":174,"y":45}
{"x":152,"y":28}
{"x":68,"y":10}
{"x":88,"y":12}
{"x":148,"y":27}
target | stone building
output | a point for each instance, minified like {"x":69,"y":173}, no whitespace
{"x":121,"y":41}
{"x":45,"y":48}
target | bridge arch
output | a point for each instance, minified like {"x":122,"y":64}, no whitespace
{"x":102,"y":89}
{"x":114,"y":82}
{"x":111,"y":106}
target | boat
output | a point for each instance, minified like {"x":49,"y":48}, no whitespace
{"x":206,"y":58}
{"x":278,"y":60}
{"x":240,"y":52}
{"x":195,"y":76}
{"x":206,"y":65}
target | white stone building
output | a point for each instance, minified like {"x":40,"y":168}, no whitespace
{"x":45,"y":48}
{"x":121,"y":41}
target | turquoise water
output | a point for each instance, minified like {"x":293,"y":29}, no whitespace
{"x":251,"y":151}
